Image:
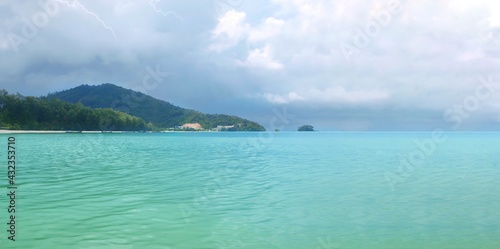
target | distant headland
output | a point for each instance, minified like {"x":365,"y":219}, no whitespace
{"x":108,"y":107}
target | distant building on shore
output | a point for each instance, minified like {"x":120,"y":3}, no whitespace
{"x":223,"y":127}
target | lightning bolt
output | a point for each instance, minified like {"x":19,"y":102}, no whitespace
{"x":76,"y":3}
{"x":152,"y":3}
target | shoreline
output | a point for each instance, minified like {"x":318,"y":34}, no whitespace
{"x":56,"y":132}
{"x":83,"y":132}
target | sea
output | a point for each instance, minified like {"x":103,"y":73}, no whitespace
{"x":224,"y":190}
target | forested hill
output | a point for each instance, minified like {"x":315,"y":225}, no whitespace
{"x":161,"y":113}
{"x":31,"y":113}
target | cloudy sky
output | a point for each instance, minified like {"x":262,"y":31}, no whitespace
{"x":338,"y":65}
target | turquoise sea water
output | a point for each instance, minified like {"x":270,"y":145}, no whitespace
{"x":255,"y":190}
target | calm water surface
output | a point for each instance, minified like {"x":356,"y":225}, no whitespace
{"x":255,"y":190}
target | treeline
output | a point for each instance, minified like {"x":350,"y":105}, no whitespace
{"x":31,"y":113}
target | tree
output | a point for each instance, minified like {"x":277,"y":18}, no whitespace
{"x":306,"y":128}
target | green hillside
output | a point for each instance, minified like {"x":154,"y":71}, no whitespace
{"x":31,"y":113}
{"x":160,"y":113}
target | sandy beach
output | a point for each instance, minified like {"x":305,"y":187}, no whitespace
{"x":30,"y":132}
{"x":53,"y":132}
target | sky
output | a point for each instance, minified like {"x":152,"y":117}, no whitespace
{"x":338,"y":65}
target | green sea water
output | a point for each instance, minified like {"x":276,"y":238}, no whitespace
{"x":254,"y":190}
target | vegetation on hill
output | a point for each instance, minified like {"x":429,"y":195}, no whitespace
{"x":160,"y":113}
{"x":32,"y":113}
{"x":306,"y":128}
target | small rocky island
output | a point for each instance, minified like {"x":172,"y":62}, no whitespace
{"x":306,"y":128}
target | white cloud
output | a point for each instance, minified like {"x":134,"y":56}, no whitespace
{"x":4,"y":44}
{"x":338,"y":94}
{"x":261,"y":58}
{"x":330,"y":95}
{"x":268,"y":29}
{"x":465,"y":6}
{"x":285,"y":99}
{"x":230,"y":29}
